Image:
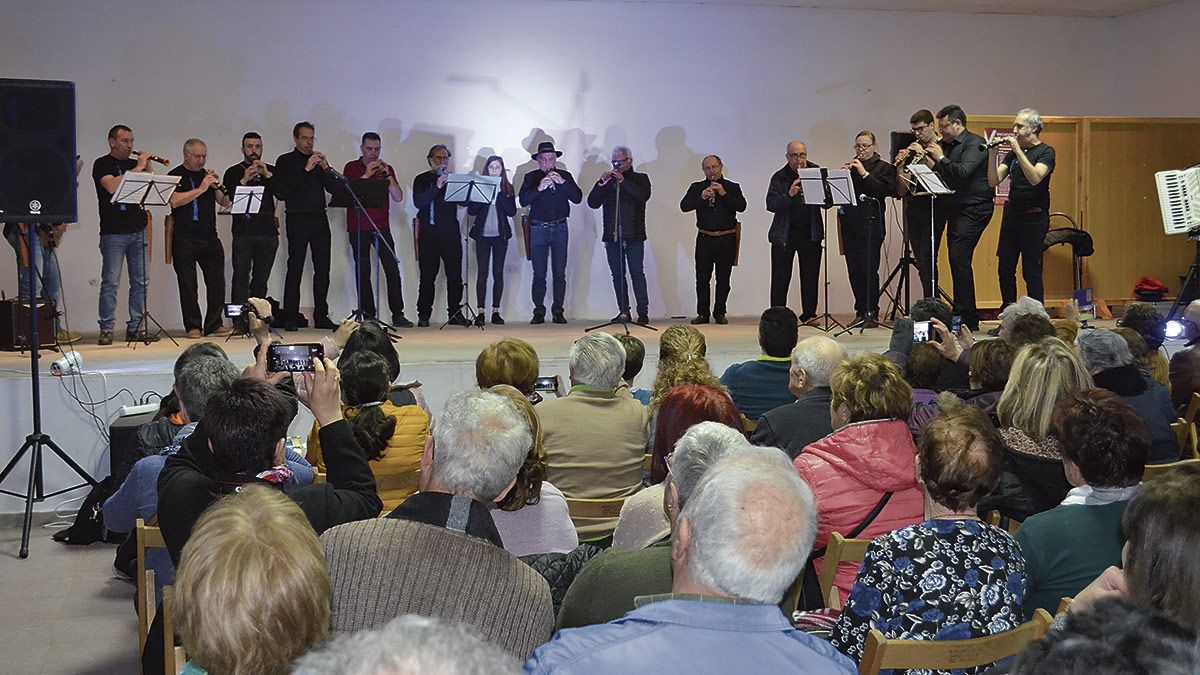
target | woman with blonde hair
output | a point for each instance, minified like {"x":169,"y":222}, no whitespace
{"x":253,"y":591}
{"x":1042,"y":375}
{"x":681,"y":358}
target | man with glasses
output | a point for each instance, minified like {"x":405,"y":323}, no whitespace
{"x":961,"y":161}
{"x":862,"y":225}
{"x":623,"y":194}
{"x":921,"y":213}
{"x":796,"y":230}
{"x":1027,"y":214}
{"x":438,"y":242}
{"x":194,"y":242}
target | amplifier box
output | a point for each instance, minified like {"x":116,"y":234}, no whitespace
{"x":14,"y":324}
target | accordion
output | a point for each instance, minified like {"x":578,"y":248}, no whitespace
{"x":1179,"y":197}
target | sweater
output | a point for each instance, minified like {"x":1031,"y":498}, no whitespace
{"x":759,"y":386}
{"x":642,"y":520}
{"x":606,"y":587}
{"x":544,"y":527}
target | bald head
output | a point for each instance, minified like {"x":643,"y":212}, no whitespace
{"x":797,"y":155}
{"x":1192,"y":315}
{"x":813,"y":361}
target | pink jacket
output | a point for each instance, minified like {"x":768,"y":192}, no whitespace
{"x":849,"y":471}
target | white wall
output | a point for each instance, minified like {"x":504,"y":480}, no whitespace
{"x":1156,"y":61}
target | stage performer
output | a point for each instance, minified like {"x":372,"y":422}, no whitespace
{"x":302,"y":178}
{"x":255,"y":235}
{"x":716,"y":201}
{"x":438,"y":241}
{"x":1027,"y":214}
{"x":491,"y":230}
{"x":122,"y":237}
{"x":623,"y":193}
{"x":362,"y":233}
{"x":549,"y":191}
{"x":796,"y":230}
{"x":863,"y":225}
{"x":194,"y":241}
{"x":921,"y":214}
{"x":960,"y":160}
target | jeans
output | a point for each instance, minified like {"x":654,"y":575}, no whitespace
{"x":493,"y":250}
{"x":253,"y":258}
{"x":115,"y":248}
{"x":209,"y":255}
{"x":548,"y":241}
{"x":1023,"y":235}
{"x":46,"y":284}
{"x":360,"y":249}
{"x":634,"y":253}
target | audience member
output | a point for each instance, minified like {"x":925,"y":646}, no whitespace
{"x":371,"y":337}
{"x":956,"y":348}
{"x":1185,"y":363}
{"x":533,"y":517}
{"x":410,"y":645}
{"x":595,"y":439}
{"x":864,"y":473}
{"x":950,"y":577}
{"x":922,"y":370}
{"x":607,"y":586}
{"x":511,"y":361}
{"x":439,"y":553}
{"x":681,"y":358}
{"x":1144,"y":319}
{"x":1107,"y":356}
{"x":253,"y":591}
{"x":740,"y":541}
{"x":1104,"y":449}
{"x":1033,"y":481}
{"x":990,"y":362}
{"x":1030,"y":328}
{"x":1024,"y":306}
{"x":795,"y":425}
{"x":761,"y":385}
{"x":635,"y":357}
{"x":643,"y":520}
{"x":1066,"y":330}
{"x":156,"y":435}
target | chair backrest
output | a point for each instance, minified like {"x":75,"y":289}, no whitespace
{"x":885,"y":653}
{"x":595,"y":508}
{"x":1153,"y":470}
{"x":646,"y":461}
{"x":999,"y":520}
{"x":1063,"y":604}
{"x":838,"y":550}
{"x":148,"y":536}
{"x":409,"y":481}
{"x":1185,"y":435}
{"x":749,"y":424}
{"x":1193,"y":408}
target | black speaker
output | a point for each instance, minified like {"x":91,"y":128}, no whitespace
{"x":900,"y":141}
{"x":37,"y":151}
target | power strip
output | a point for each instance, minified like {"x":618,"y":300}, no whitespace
{"x":127,"y":410}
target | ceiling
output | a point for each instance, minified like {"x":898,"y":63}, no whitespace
{"x":1093,"y":8}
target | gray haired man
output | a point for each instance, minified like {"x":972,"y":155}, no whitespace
{"x":623,"y":193}
{"x":793,"y":426}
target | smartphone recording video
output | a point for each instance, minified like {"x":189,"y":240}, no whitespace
{"x":293,"y":358}
{"x":921,"y":331}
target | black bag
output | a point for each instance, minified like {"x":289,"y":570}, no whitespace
{"x":810,"y":592}
{"x":89,"y":522}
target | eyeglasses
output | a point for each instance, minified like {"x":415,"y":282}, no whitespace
{"x":797,"y":155}
{"x":863,"y":146}
{"x":918,"y":129}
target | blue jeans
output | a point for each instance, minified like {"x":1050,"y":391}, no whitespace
{"x":113,"y":249}
{"x":548,"y":241}
{"x":634,"y":255}
{"x":46,"y":284}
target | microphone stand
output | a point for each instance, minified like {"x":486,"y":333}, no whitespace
{"x":379,"y":241}
{"x":618,"y":231}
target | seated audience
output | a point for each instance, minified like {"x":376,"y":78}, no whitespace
{"x":1024,"y":306}
{"x":922,"y":370}
{"x":607,"y":586}
{"x":253,"y":591}
{"x":955,"y":348}
{"x":868,"y":462}
{"x":371,"y":337}
{"x":795,"y":425}
{"x":681,"y":358}
{"x":511,"y":361}
{"x":1033,"y":481}
{"x":1104,"y":449}
{"x":990,"y":362}
{"x":740,"y":541}
{"x":410,"y":645}
{"x":950,"y":577}
{"x":1107,"y":356}
{"x":1145,"y":320}
{"x":533,"y":517}
{"x":1185,"y":363}
{"x":635,"y":357}
{"x":439,"y":553}
{"x":643,"y":520}
{"x":762,"y":384}
{"x":159,"y":433}
{"x":595,"y":440}
{"x":1030,"y":328}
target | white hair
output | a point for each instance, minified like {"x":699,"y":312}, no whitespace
{"x":753,"y":522}
{"x":623,"y":149}
{"x":1032,"y":117}
{"x":480,"y":442}
{"x":409,"y":645}
{"x":817,"y":356}
{"x":698,"y":450}
{"x":597,"y":360}
{"x":1024,"y":305}
{"x":1103,"y":349}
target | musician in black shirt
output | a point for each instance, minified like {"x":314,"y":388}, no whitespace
{"x":797,"y":230}
{"x":716,"y":201}
{"x":548,"y":192}
{"x":438,"y":241}
{"x":863,"y":225}
{"x":1027,"y":214}
{"x":255,"y":235}
{"x":962,"y":163}
{"x":623,"y":193}
{"x":924,"y":217}
{"x":194,"y":241}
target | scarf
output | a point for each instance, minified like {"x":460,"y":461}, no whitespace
{"x":1086,"y":495}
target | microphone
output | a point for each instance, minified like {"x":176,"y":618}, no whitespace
{"x":334,"y":173}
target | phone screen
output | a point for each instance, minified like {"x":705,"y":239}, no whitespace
{"x":956,"y":324}
{"x":293,"y":358}
{"x":921,"y":331}
{"x":546,"y":383}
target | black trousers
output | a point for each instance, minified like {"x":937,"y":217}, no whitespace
{"x":916,"y":219}
{"x":1022,"y":234}
{"x":714,"y":253}
{"x":304,"y":231}
{"x":434,"y":252}
{"x":862,"y":239}
{"x":253,"y":258}
{"x":966,"y":226}
{"x":809,"y":253}
{"x":490,"y":251}
{"x":360,"y":247}
{"x":209,"y":255}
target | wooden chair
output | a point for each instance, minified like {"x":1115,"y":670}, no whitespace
{"x":646,"y":461}
{"x":994,"y":518}
{"x":1153,"y":470}
{"x":410,"y":481}
{"x":320,"y":477}
{"x":148,"y":536}
{"x":1064,"y":604}
{"x":173,"y":657}
{"x":1185,"y":435}
{"x":839,"y":549}
{"x":1193,"y":408}
{"x":749,"y":424}
{"x":595,"y":508}
{"x":884,"y":653}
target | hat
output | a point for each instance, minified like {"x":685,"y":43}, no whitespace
{"x":546,"y":146}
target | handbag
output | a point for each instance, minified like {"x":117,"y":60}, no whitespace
{"x":810,"y":592}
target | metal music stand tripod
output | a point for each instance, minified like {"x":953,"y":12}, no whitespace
{"x":146,"y":189}
{"x":469,"y":188}
{"x":817,"y":181}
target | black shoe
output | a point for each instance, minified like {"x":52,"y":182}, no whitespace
{"x":497,"y":319}
{"x":538,"y":319}
{"x":458,"y":320}
{"x":559,"y":318}
{"x":323,"y":323}
{"x":869,"y":320}
{"x":423,"y":322}
{"x":643,"y":320}
{"x":720,"y":318}
{"x":479,"y":319}
{"x":290,"y":326}
{"x":401,"y":321}
{"x":623,"y":317}
{"x":699,"y":321}
{"x":142,"y":337}
{"x":105,"y":338}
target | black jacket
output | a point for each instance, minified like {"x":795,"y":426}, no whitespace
{"x":721,"y":213}
{"x":506,"y":208}
{"x":303,"y":191}
{"x":793,"y":426}
{"x":550,"y":205}
{"x":1152,"y":402}
{"x":427,"y":197}
{"x":789,"y":210}
{"x":635,"y":192}
{"x":964,"y":169}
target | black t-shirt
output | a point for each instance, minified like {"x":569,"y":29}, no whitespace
{"x":116,"y":218}
{"x":253,"y":224}
{"x":1020,"y":193}
{"x":196,"y":219}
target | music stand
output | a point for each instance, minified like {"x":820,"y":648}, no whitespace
{"x":836,"y":189}
{"x":469,"y":188}
{"x":146,"y":189}
{"x":359,"y":194}
{"x":933,"y":187}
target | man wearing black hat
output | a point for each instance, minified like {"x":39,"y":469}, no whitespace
{"x":549,"y":192}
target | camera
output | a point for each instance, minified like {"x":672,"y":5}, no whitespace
{"x":240,"y":313}
{"x":293,"y":358}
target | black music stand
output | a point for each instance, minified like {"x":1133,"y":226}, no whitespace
{"x":469,"y":188}
{"x":838,"y":192}
{"x":359,"y":194}
{"x":933,"y":187}
{"x":146,"y":189}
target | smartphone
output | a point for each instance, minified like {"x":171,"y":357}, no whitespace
{"x":955,"y":324}
{"x":546,"y":383}
{"x":234,"y":310}
{"x":921,"y":330}
{"x":293,"y":358}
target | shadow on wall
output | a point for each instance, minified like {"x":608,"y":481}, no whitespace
{"x":670,"y":231}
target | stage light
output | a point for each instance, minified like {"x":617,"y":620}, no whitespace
{"x":71,"y":363}
{"x":1173,"y":329}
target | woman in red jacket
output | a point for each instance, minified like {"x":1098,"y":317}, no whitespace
{"x":869,"y":457}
